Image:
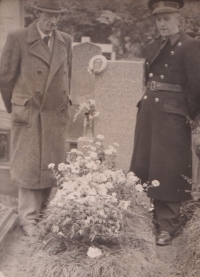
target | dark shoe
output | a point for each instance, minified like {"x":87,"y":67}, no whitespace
{"x":164,"y":238}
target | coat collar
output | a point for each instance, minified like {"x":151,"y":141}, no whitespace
{"x":37,"y":48}
{"x":172,"y":40}
{"x":33,"y":34}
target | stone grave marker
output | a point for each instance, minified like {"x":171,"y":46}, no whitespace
{"x":82,"y":87}
{"x":11,"y":18}
{"x":82,"y":83}
{"x":117,"y":90}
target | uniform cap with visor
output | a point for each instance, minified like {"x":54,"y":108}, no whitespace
{"x":158,"y":6}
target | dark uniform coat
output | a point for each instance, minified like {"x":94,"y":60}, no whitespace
{"x":34,"y":83}
{"x":162,"y":149}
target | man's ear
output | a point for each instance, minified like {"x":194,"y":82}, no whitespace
{"x":181,"y":22}
{"x":36,"y":13}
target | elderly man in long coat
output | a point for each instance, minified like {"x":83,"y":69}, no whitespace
{"x":34,"y":82}
{"x":162,"y":149}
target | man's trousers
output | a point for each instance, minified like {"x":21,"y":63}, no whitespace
{"x":30,"y":204}
{"x":167,"y":215}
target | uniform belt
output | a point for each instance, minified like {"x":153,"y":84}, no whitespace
{"x":155,"y":86}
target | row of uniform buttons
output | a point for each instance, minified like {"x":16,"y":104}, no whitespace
{"x":166,"y":65}
{"x":161,"y":76}
{"x":156,"y":99}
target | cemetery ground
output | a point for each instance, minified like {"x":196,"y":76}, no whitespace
{"x":16,"y":258}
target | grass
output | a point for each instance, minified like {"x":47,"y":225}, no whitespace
{"x":134,"y":254}
{"x":190,"y":248}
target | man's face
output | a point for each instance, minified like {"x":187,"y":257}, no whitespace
{"x":48,"y":21}
{"x":167,"y":23}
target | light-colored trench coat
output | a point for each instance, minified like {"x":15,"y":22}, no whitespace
{"x":35,"y":86}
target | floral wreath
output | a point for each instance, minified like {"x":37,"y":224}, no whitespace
{"x":104,"y":63}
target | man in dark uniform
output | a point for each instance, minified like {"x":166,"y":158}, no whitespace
{"x":162,"y":149}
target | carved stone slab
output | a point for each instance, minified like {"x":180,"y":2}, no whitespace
{"x":117,"y":91}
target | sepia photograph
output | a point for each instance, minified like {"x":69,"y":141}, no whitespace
{"x":99,"y":138}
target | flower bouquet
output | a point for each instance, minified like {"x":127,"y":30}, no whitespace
{"x":95,"y":223}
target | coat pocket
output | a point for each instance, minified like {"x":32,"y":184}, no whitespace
{"x":21,"y":110}
{"x":174,"y":107}
{"x":177,"y":114}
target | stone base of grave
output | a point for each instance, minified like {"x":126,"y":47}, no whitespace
{"x":8,"y":224}
{"x":84,"y":141}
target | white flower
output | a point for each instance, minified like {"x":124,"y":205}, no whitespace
{"x":92,"y":192}
{"x":114,"y":194}
{"x":91,"y":165}
{"x":116,"y":144}
{"x":130,"y":174}
{"x":74,"y":195}
{"x":74,"y":170}
{"x":145,"y":185}
{"x":124,"y":204}
{"x":94,"y":252}
{"x":69,"y":186}
{"x":102,"y":214}
{"x":139,"y":188}
{"x":93,"y":155}
{"x":92,"y":199}
{"x":51,"y":166}
{"x":102,"y":190}
{"x":98,"y":143}
{"x":108,"y":152}
{"x":155,"y":183}
{"x":88,"y":158}
{"x":55,"y":229}
{"x":88,"y":177}
{"x":109,"y":185}
{"x":100,"y":137}
{"x":112,"y":149}
{"x":61,"y":167}
{"x":133,"y":179}
{"x":73,"y":150}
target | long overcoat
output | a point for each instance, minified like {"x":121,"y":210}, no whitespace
{"x":34,"y":83}
{"x":162,"y":149}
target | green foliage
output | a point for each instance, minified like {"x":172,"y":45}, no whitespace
{"x":126,"y":24}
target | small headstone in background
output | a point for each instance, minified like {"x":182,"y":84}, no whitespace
{"x":82,"y":83}
{"x":82,"y":87}
{"x":11,"y":18}
{"x":117,"y":90}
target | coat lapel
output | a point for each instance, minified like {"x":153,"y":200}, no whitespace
{"x":36,"y":46}
{"x":58,"y":56}
{"x":173,"y":40}
{"x":158,"y":52}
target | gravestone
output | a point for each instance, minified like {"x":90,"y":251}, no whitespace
{"x":11,"y":18}
{"x":82,"y":87}
{"x":117,"y":90}
{"x":82,"y":83}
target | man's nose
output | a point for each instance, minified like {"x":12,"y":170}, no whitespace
{"x":162,"y":22}
{"x":54,"y":19}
